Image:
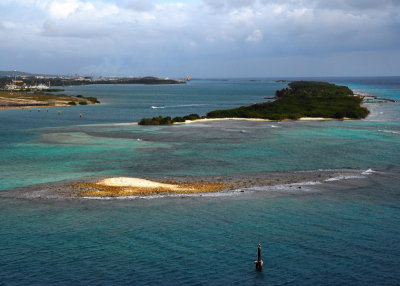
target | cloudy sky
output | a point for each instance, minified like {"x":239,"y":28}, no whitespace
{"x":203,"y":38}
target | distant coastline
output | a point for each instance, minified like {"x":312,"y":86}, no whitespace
{"x":20,"y":80}
{"x":25,"y":90}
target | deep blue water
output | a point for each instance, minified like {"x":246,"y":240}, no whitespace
{"x":342,"y":231}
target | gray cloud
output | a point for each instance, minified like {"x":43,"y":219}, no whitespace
{"x":362,"y":5}
{"x":140,"y":5}
{"x":228,"y":4}
{"x":210,"y":37}
{"x":73,"y":30}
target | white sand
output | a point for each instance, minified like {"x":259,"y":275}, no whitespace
{"x":257,"y":119}
{"x":223,"y":119}
{"x":321,"y":118}
{"x":136,"y":183}
{"x":314,"y":118}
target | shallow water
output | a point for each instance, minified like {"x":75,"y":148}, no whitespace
{"x":343,"y":230}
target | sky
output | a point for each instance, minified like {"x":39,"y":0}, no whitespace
{"x":201,"y":38}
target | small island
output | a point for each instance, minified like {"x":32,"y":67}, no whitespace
{"x":302,"y":99}
{"x":28,"y":99}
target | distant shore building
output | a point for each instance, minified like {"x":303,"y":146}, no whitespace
{"x":39,"y":86}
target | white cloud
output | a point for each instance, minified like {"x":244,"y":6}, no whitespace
{"x":8,"y":25}
{"x":62,"y":9}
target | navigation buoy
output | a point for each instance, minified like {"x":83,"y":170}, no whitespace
{"x":259,"y":263}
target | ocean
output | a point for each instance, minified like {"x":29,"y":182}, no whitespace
{"x":342,"y":228}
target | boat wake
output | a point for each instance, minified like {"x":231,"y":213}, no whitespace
{"x":176,"y":106}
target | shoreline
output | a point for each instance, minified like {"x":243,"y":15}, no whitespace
{"x":42,"y":100}
{"x":33,"y":106}
{"x":260,"y":119}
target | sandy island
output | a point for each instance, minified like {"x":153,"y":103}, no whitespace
{"x":40,"y":100}
{"x":125,"y":186}
{"x":20,"y":103}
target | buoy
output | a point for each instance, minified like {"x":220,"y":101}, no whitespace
{"x":259,"y":263}
{"x":80,"y":114}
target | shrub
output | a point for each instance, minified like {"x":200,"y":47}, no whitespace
{"x":92,"y":99}
{"x":148,"y":121}
{"x":178,"y":119}
{"x":192,"y":116}
{"x":294,"y":116}
{"x":156,"y":121}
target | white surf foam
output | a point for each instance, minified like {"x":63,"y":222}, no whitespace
{"x":344,"y":177}
{"x":368,"y":172}
{"x":389,"y":131}
{"x":177,"y":106}
{"x":159,"y":196}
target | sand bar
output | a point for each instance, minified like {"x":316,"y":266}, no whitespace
{"x":127,"y":186}
{"x":136,"y":183}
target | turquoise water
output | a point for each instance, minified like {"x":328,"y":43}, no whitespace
{"x":342,"y":231}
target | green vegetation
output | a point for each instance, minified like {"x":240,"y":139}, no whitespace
{"x":83,"y":100}
{"x":159,"y":120}
{"x":302,"y":99}
{"x":92,"y":99}
{"x":156,"y":121}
